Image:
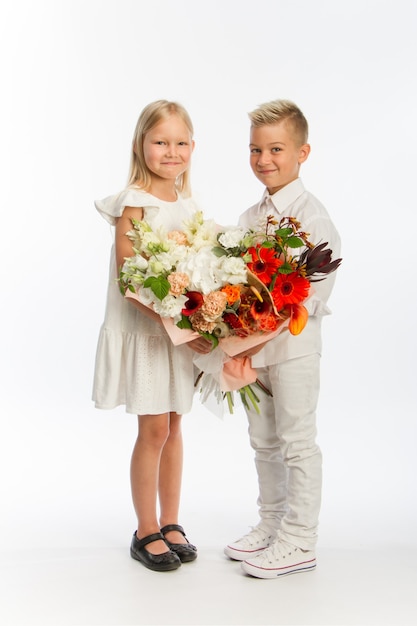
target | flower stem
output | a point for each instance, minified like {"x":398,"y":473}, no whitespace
{"x":264,"y":389}
{"x":229,"y":397}
{"x":248,"y":391}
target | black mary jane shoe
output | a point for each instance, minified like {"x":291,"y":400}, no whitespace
{"x":186,"y":551}
{"x":164,"y":562}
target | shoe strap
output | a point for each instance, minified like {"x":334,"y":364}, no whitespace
{"x":149,"y":539}
{"x":166,"y":529}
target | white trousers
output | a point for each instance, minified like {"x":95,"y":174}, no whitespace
{"x":287,"y":458}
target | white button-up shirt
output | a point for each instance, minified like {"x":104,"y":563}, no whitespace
{"x":294,"y":201}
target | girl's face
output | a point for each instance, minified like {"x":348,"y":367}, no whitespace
{"x":167,"y":148}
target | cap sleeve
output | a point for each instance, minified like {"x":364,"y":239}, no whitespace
{"x":112,"y":207}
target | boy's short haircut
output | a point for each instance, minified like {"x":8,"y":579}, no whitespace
{"x":278,"y":111}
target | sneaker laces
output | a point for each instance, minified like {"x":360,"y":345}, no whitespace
{"x":255,"y":536}
{"x":277,"y":551}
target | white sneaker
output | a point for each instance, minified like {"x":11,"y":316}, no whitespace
{"x":250,"y":545}
{"x":280,"y":559}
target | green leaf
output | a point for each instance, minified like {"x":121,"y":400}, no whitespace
{"x":214,"y":340}
{"x":283,"y":232}
{"x":285,"y":268}
{"x":217,"y":251}
{"x":159,"y":285}
{"x":295,"y":242}
{"x":184,"y":322}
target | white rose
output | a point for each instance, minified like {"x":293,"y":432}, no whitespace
{"x":232,"y":237}
{"x":140,"y":263}
{"x":232,"y":270}
{"x":135,"y":263}
{"x":146,"y":296}
{"x":170,"y":306}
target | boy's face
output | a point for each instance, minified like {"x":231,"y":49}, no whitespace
{"x":276,"y":155}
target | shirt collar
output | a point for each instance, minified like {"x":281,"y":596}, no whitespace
{"x":281,"y":199}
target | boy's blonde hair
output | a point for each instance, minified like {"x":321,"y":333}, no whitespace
{"x":151,"y":115}
{"x":281,"y":111}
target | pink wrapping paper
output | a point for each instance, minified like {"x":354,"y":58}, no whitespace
{"x":232,"y":345}
{"x":177,"y":335}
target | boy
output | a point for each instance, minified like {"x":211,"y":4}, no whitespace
{"x":288,"y":460}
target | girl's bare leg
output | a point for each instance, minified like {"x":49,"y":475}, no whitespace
{"x":170,"y":476}
{"x":145,"y":475}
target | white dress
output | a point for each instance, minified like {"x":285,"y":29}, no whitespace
{"x":136,"y":363}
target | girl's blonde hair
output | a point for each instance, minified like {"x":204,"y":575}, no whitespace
{"x":280,"y":111}
{"x":151,"y":115}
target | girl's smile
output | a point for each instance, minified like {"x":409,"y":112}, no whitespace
{"x":167,"y":148}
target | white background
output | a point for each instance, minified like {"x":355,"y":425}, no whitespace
{"x":75,"y":76}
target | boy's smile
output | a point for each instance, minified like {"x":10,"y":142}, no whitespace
{"x":276,"y":154}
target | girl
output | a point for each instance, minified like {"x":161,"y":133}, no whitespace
{"x":136,"y":363}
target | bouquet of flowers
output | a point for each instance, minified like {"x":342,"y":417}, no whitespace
{"x":177,"y":274}
{"x":235,"y":287}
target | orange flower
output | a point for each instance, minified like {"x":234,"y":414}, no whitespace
{"x":232,"y":292}
{"x":268,"y":323}
{"x":260,"y":308}
{"x":264,"y":263}
{"x":289,"y":289}
{"x":298,"y":320}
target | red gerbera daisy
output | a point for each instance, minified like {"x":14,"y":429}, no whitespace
{"x":264,"y":263}
{"x":289,"y":289}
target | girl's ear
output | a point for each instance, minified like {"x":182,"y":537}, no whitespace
{"x":303,"y":153}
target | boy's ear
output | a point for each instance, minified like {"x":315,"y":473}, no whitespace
{"x":303,"y":153}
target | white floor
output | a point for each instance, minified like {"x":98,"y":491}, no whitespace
{"x":104,"y":587}
{"x":66,"y":519}
{"x":66,"y":522}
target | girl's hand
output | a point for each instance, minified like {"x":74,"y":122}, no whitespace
{"x":200,"y":345}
